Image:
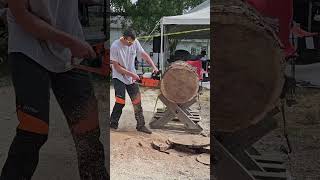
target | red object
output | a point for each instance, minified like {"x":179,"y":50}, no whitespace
{"x":149,"y":82}
{"x":281,"y":10}
{"x":198,"y":65}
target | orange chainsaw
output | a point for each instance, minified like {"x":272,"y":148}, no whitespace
{"x":153,"y":81}
{"x":99,"y":65}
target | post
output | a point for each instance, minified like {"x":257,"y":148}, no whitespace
{"x":310,"y":16}
{"x":161,"y":46}
{"x":105,"y":17}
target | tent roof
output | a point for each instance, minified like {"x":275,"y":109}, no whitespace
{"x":203,"y":5}
{"x":200,"y":15}
{"x":190,"y":35}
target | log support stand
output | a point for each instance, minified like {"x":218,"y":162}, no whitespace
{"x":187,"y":119}
{"x":236,"y":158}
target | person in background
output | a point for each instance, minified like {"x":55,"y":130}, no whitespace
{"x":203,"y":57}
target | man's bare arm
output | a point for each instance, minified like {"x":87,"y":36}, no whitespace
{"x":44,"y":31}
{"x":148,"y":59}
{"x":122,"y":70}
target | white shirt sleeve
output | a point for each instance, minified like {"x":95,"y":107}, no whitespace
{"x":114,"y":54}
{"x":139,"y":48}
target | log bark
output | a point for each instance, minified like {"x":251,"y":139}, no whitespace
{"x":180,"y":83}
{"x":247,"y":66}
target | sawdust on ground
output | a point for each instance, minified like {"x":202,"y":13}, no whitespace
{"x":58,"y":158}
{"x":132,"y":156}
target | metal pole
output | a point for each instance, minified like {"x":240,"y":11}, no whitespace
{"x":105,"y":18}
{"x":310,"y":16}
{"x":158,"y":61}
{"x":161,"y":45}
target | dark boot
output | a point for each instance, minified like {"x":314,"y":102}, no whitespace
{"x":115,"y":115}
{"x":138,"y":113}
{"x":144,"y":129}
{"x":113,"y":126}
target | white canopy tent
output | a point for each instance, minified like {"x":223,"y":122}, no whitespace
{"x":197,"y":17}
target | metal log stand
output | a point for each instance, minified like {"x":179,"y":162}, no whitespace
{"x":176,"y":117}
{"x":237,"y":159}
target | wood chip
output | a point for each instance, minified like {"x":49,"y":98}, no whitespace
{"x":160,"y":146}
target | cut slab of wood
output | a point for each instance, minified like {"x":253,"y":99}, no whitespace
{"x":191,"y":141}
{"x":204,"y":159}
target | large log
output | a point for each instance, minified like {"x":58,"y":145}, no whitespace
{"x":248,"y":76}
{"x":180,"y":83}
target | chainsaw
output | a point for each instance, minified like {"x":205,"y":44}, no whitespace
{"x":99,"y":65}
{"x":152,"y":81}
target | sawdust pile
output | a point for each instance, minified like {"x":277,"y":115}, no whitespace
{"x":131,"y":145}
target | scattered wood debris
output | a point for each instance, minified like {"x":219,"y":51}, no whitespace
{"x":160,"y":146}
{"x":194,"y":144}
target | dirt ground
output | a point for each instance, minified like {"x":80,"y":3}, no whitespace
{"x":58,"y":156}
{"x":303,"y":124}
{"x":132,"y":156}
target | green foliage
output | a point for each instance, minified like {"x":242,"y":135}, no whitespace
{"x":144,"y":14}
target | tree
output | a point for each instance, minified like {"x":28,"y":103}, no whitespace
{"x":144,"y":14}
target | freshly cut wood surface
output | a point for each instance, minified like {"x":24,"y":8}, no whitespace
{"x":204,"y":159}
{"x":192,"y":141}
{"x":179,"y":83}
{"x":247,"y":66}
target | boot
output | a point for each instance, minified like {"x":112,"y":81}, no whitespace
{"x":115,"y":116}
{"x":138,"y":113}
{"x":113,"y":126}
{"x":144,"y":129}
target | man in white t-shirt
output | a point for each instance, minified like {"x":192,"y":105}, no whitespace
{"x":42,"y":37}
{"x":122,"y":54}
